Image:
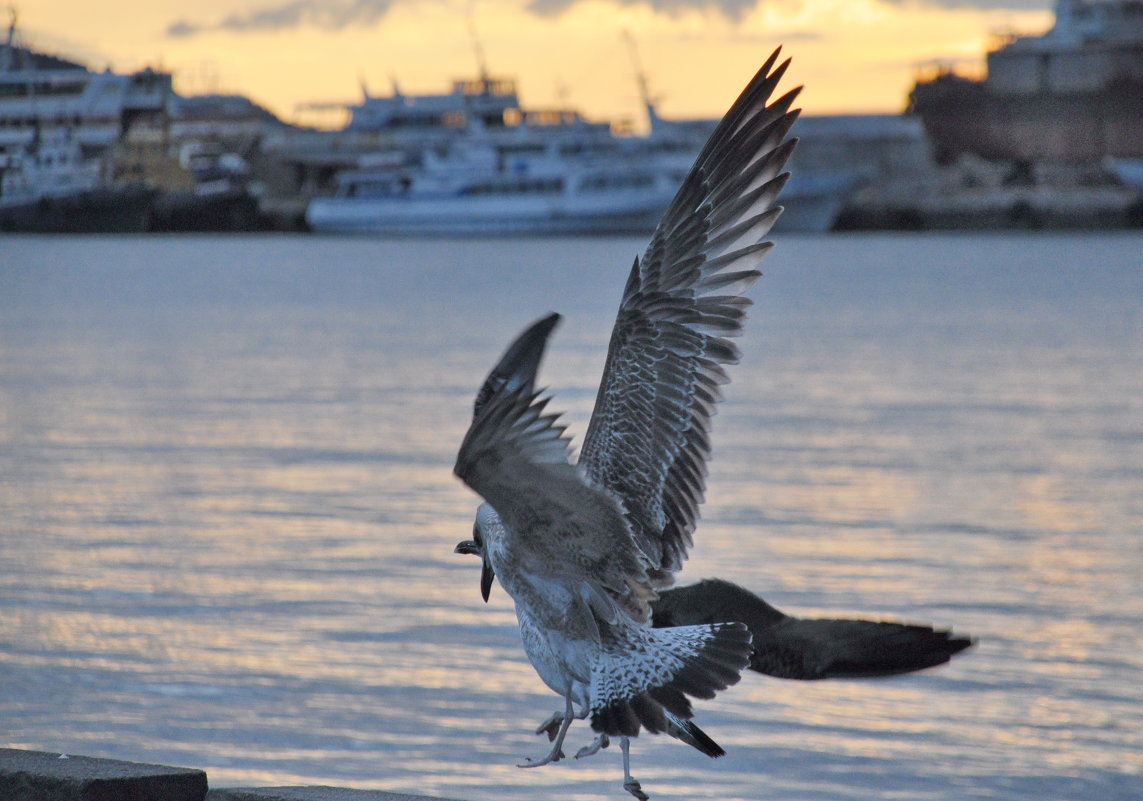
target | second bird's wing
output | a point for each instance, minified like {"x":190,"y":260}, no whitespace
{"x":791,"y":647}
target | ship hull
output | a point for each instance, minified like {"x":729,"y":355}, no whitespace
{"x":464,"y":214}
{"x":234,"y":209}
{"x":812,"y":209}
{"x":112,"y":210}
{"x":963,"y":116}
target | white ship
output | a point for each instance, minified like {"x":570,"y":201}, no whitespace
{"x":482,"y":187}
{"x":41,"y":94}
{"x":474,"y":161}
{"x":58,"y":125}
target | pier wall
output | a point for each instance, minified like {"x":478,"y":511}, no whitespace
{"x":46,"y":776}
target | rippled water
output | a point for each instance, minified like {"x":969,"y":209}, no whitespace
{"x":227,"y":514}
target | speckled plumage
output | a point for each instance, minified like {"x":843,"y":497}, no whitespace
{"x":584,"y":549}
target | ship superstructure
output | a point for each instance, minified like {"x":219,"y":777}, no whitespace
{"x":1071,"y":95}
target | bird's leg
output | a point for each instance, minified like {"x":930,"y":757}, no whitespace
{"x":551,"y":726}
{"x":602,"y":741}
{"x":629,"y":782}
{"x":555,"y":755}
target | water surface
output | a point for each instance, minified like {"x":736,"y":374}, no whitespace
{"x":227,"y":512}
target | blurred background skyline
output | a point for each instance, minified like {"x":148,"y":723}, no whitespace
{"x":854,"y":56}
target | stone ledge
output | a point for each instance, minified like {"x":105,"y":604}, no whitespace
{"x":45,"y":776}
{"x":312,"y":794}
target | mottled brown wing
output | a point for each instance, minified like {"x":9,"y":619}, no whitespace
{"x":648,"y":441}
{"x":516,"y":457}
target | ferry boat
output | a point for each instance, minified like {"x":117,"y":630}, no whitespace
{"x":489,"y":187}
{"x":76,"y":143}
{"x":473,"y":160}
{"x":59,"y":123}
{"x":42,"y":94}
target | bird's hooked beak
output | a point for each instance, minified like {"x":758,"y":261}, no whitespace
{"x":475,"y":548}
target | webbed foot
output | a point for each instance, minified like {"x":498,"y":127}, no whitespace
{"x":629,"y":782}
{"x":632,"y":786}
{"x":551,"y":726}
{"x":555,"y":755}
{"x":561,"y":723}
{"x":602,"y":741}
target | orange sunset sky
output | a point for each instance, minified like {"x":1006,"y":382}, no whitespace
{"x":852,"y":55}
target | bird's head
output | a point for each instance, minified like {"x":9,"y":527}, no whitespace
{"x":477,"y":546}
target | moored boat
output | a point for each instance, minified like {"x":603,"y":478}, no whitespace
{"x":47,"y":186}
{"x":485,"y":188}
{"x":474,"y":161}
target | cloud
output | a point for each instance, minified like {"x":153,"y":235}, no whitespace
{"x":329,"y":14}
{"x":984,"y":5}
{"x":732,"y":9}
{"x":737,"y":37}
{"x":736,"y":9}
{"x":338,"y":14}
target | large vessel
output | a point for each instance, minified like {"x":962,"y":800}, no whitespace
{"x":474,"y":189}
{"x":59,"y":123}
{"x":43,"y":94}
{"x":485,"y":103}
{"x":1072,"y":95}
{"x":82,"y":150}
{"x":482,"y":186}
{"x":48,"y":186}
{"x":473,"y":160}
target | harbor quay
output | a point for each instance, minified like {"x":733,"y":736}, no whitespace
{"x":46,"y":776}
{"x":1050,"y":138}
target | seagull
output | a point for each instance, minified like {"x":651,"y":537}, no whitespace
{"x":584,"y":549}
{"x":589,"y":550}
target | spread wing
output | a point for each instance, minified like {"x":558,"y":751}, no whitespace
{"x":809,"y":648}
{"x":518,"y":366}
{"x":516,"y":456}
{"x":648,"y":441}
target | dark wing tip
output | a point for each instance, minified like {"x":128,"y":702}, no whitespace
{"x":520,"y":362}
{"x":797,"y":648}
{"x":851,"y":649}
{"x":695,"y":737}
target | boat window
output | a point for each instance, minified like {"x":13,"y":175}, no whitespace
{"x":512,"y":150}
{"x":454,"y":119}
{"x":370,"y":189}
{"x":603,"y":183}
{"x":58,"y":88}
{"x":517,"y":187}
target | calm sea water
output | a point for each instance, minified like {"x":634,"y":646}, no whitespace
{"x":227,"y":513}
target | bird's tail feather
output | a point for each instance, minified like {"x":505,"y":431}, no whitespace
{"x":692,"y":735}
{"x":645,"y":680}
